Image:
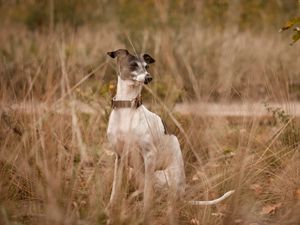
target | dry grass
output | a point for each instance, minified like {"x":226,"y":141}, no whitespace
{"x":55,"y":164}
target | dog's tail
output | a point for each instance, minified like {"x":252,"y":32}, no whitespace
{"x":212,"y":202}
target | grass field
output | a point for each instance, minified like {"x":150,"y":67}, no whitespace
{"x":55,"y":163}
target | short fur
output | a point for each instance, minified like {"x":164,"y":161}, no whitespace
{"x":139,"y":135}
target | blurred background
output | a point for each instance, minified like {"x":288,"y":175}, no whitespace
{"x":226,"y":82}
{"x":224,"y":49}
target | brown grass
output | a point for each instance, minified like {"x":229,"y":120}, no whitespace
{"x":55,"y":164}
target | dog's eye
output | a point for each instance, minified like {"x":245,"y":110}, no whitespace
{"x":133,"y":66}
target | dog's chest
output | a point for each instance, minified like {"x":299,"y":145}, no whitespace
{"x":136,"y":126}
{"x":126,"y":125}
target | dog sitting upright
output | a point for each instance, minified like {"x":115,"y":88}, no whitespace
{"x":139,"y":138}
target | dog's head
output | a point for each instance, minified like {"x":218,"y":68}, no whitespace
{"x":132,"y":67}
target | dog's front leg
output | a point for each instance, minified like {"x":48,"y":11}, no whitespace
{"x":148,"y":185}
{"x":114,"y":208}
{"x":114,"y":185}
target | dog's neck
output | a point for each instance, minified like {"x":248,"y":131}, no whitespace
{"x":128,"y":90}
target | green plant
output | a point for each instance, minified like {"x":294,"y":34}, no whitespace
{"x":295,"y":22}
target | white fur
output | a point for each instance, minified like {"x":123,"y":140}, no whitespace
{"x":141,"y":75}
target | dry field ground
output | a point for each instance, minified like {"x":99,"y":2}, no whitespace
{"x":55,"y":163}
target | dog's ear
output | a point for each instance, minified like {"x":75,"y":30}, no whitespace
{"x":117,"y":53}
{"x":148,"y":59}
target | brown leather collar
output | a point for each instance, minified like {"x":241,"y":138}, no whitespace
{"x":134,"y":103}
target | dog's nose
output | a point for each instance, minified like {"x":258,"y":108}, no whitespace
{"x":148,"y":79}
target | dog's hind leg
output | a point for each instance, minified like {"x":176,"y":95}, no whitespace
{"x":175,"y":170}
{"x":175,"y":178}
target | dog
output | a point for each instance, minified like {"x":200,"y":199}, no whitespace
{"x":139,"y":138}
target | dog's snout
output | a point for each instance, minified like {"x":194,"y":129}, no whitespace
{"x":148,"y":79}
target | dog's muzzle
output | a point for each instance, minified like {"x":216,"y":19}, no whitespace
{"x":148,"y":79}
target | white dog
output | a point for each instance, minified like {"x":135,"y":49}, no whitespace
{"x":139,"y":137}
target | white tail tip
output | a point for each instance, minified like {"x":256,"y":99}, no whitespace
{"x":212,"y":202}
